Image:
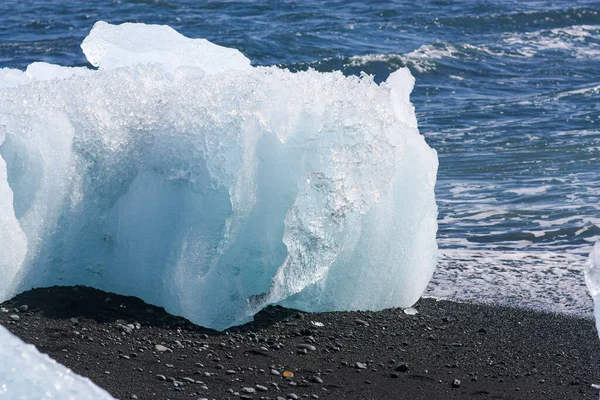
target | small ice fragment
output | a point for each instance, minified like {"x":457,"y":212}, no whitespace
{"x":410,"y":311}
{"x":33,"y":375}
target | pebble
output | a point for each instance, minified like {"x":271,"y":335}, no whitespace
{"x":161,"y":348}
{"x":456,"y":383}
{"x":14,"y":317}
{"x":248,"y":390}
{"x":188,"y":380}
{"x":230,"y":372}
{"x":275,"y":372}
{"x":315,"y":379}
{"x":292,"y":396}
{"x":361,"y":322}
{"x":161,"y":377}
{"x":307,"y":346}
{"x":360,"y":365}
{"x":402,"y":367}
{"x":261,"y":388}
{"x":24,"y":308}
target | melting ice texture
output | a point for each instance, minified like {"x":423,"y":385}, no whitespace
{"x":180,"y":174}
{"x":27,"y":374}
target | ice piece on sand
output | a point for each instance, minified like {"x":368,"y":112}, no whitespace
{"x":180,"y":174}
{"x":592,"y":279}
{"x":410,"y":311}
{"x":27,"y":374}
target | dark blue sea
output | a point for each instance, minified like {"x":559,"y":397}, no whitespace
{"x":507,"y":92}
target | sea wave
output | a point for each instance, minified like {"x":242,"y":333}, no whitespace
{"x":581,"y":41}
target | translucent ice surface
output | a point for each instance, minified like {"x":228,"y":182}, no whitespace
{"x":592,"y":279}
{"x":26,"y":374}
{"x":178,"y":173}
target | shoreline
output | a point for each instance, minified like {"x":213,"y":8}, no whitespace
{"x":449,"y":350}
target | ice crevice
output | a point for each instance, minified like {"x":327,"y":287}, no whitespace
{"x":179,"y":173}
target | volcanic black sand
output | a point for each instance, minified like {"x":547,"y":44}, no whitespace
{"x":447,"y":351}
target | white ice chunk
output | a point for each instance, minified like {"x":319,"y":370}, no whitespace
{"x":592,"y":279}
{"x":12,"y":77}
{"x":42,"y":71}
{"x":27,"y":374}
{"x":215,"y":193}
{"x":115,"y":46}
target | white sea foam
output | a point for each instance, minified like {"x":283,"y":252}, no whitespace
{"x":529,"y":191}
{"x":519,"y":277}
{"x":571,"y":39}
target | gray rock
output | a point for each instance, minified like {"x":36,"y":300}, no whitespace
{"x":402,"y":367}
{"x":248,"y":390}
{"x":161,"y":377}
{"x":360,"y":365}
{"x":261,"y":388}
{"x":14,"y":317}
{"x":292,"y":396}
{"x":455,"y":383}
{"x":361,"y":322}
{"x":307,"y":346}
{"x":24,"y":308}
{"x":161,"y":348}
{"x":315,"y":379}
{"x":275,"y":372}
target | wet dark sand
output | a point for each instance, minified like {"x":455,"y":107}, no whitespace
{"x":495,"y":352}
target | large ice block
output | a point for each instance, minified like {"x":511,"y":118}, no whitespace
{"x":178,"y":173}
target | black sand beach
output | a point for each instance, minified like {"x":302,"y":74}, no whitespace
{"x":447,"y":351}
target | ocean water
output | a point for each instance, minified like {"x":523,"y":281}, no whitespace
{"x":507,"y":93}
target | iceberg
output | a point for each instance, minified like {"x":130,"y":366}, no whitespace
{"x":32,"y":375}
{"x":592,"y":280}
{"x":179,"y":173}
